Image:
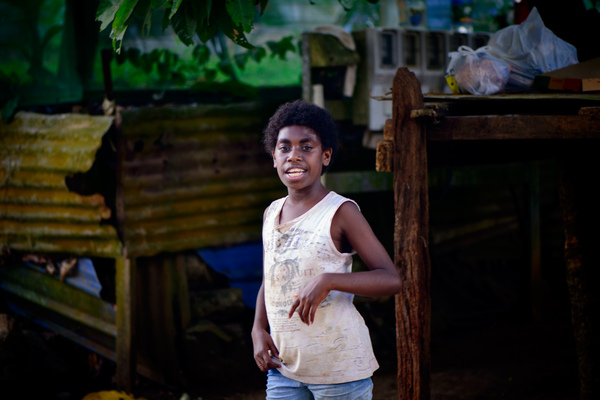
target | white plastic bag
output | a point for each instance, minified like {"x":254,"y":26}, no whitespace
{"x":531,"y":49}
{"x":476,"y":71}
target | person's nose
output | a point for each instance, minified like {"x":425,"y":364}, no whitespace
{"x":295,"y":155}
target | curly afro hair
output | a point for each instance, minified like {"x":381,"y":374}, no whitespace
{"x":306,"y":114}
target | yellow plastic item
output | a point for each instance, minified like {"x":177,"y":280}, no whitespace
{"x":451,"y":81}
{"x":108,"y":395}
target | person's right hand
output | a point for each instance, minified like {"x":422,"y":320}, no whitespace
{"x":265,"y":352}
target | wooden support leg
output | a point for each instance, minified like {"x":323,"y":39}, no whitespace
{"x":535,"y":244}
{"x":579,"y":203}
{"x":126,"y":351}
{"x":411,"y":238}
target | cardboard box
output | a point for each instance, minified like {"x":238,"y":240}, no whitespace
{"x":582,"y":77}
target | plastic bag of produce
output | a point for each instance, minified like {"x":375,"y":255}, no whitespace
{"x":476,"y":71}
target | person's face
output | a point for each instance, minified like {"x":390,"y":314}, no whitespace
{"x":299,"y":157}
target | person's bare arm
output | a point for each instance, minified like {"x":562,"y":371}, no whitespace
{"x":264,"y":347}
{"x":382,"y":278}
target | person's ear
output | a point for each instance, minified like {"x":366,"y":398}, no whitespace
{"x":327,"y":156}
{"x":274,"y":161}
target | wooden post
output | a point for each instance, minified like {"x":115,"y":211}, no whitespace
{"x":577,"y":177}
{"x":535,"y":249}
{"x":411,"y":238}
{"x":126,"y":350}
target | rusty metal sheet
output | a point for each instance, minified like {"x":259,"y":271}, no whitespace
{"x":195,"y":176}
{"x":38,"y":213}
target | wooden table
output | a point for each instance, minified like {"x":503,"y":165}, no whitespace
{"x":500,"y":127}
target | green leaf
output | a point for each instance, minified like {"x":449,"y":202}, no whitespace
{"x":203,"y":13}
{"x":281,"y":48}
{"x":206,"y":32}
{"x":184,"y":23}
{"x":258,"y":53}
{"x":208,"y":29}
{"x":208,"y":20}
{"x":201,"y":53}
{"x":123,"y":14}
{"x":50,"y":33}
{"x":241,"y":13}
{"x":233,"y":32}
{"x":121,"y":22}
{"x":158,"y":3}
{"x":175,"y":7}
{"x":107,"y":11}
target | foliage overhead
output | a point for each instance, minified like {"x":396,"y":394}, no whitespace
{"x":234,"y":18}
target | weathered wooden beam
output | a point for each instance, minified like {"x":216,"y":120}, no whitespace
{"x":591,"y":112}
{"x":411,"y":236}
{"x":384,"y":156}
{"x":388,"y":130}
{"x":126,"y":349}
{"x":513,"y":127}
{"x":44,"y":290}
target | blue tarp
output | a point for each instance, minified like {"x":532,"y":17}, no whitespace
{"x":242,"y":264}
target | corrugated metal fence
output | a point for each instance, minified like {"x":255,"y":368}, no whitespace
{"x":38,"y":213}
{"x":195,"y":176}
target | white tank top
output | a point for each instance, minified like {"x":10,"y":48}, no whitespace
{"x":336,"y":348}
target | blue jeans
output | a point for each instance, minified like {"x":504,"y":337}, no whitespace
{"x":280,"y":387}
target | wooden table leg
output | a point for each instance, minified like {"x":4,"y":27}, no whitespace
{"x":411,"y":238}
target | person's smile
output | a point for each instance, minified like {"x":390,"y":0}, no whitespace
{"x":295,"y":173}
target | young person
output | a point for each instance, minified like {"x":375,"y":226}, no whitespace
{"x":307,"y":333}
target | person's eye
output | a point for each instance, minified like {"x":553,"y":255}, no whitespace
{"x":307,"y":148}
{"x":284,"y":148}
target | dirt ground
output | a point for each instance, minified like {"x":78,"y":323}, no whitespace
{"x":533,"y":361}
{"x":529,"y":361}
